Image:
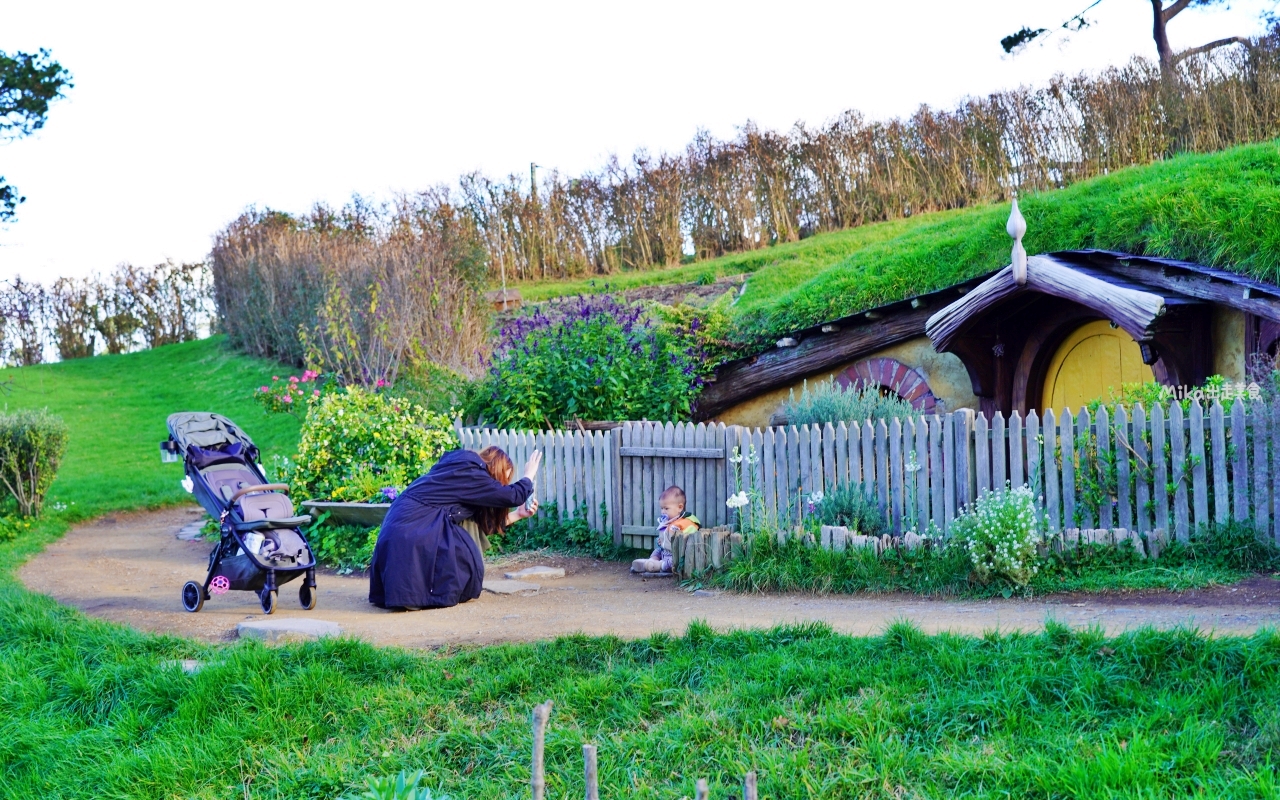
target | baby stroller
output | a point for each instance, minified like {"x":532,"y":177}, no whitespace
{"x":261,"y":546}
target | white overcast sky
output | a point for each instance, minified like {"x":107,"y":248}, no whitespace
{"x":184,"y":114}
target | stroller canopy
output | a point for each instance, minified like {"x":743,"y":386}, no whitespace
{"x":205,"y":430}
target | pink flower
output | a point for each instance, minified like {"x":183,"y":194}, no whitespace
{"x":309,"y":375}
{"x":288,"y":398}
{"x":263,"y":389}
{"x":315,"y":392}
{"x":293,"y":379}
{"x":380,"y":383}
{"x":275,"y":377}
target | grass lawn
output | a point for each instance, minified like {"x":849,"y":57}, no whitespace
{"x":88,"y":709}
{"x":1217,"y":209}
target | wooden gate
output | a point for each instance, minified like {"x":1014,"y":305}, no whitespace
{"x":654,"y":456}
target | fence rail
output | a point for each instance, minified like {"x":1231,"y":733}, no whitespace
{"x":1128,"y":468}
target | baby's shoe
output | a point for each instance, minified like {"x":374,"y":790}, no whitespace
{"x":642,"y":565}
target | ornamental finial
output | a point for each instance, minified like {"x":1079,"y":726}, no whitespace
{"x":1017,"y":228}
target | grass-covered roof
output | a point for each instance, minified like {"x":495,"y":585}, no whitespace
{"x":1221,"y":209}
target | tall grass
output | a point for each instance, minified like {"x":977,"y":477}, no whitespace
{"x":827,"y":401}
{"x":358,"y":292}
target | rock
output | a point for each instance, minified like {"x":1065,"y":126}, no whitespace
{"x":286,"y":629}
{"x":534,"y":573}
{"x":191,"y":532}
{"x":188,"y":665}
{"x":705,"y":593}
{"x":509,"y":587}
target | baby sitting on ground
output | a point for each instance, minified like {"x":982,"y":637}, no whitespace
{"x":674,"y":519}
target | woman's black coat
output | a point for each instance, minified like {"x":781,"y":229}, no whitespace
{"x":424,"y":558}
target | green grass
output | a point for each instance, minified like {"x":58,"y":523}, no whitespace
{"x":88,"y":709}
{"x":1219,"y":209}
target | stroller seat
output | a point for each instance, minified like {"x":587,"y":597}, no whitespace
{"x":267,"y":510}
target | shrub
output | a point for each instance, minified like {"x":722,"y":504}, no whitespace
{"x":1001,"y":531}
{"x":1231,"y":545}
{"x":346,"y":548}
{"x":849,"y":506}
{"x":600,"y":360}
{"x":355,"y":442}
{"x":289,"y":396}
{"x":436,"y":388}
{"x":827,"y":401}
{"x":402,"y":787}
{"x":32,"y":443}
{"x":547,"y":530}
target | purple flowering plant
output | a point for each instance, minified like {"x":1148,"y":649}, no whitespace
{"x":593,"y":359}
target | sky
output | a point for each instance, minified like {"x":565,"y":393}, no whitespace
{"x":185,"y":114}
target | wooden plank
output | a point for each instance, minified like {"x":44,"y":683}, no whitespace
{"x":1016,"y":475}
{"x":722,"y":475}
{"x":896,"y":497}
{"x":868,"y":458}
{"x":604,"y":467}
{"x":1066,"y":440}
{"x":842,"y":454}
{"x":668,"y":463}
{"x":882,"y":468}
{"x":1239,"y":463}
{"x":1199,"y":474}
{"x":615,"y":485}
{"x":935,"y":471}
{"x":769,"y":448}
{"x":674,"y":451}
{"x":1124,"y":484}
{"x":758,"y":477}
{"x":625,"y":486}
{"x":815,"y":458}
{"x":1258,"y":413}
{"x":1102,"y":431}
{"x":1052,"y":482}
{"x":1034,"y":449}
{"x":828,"y":458}
{"x":1160,"y":467}
{"x":948,"y":469}
{"x":647,"y":481}
{"x":1275,"y":471}
{"x":1179,"y":476}
{"x":855,"y":453}
{"x":921,"y":476}
{"x":805,"y":463}
{"x":964,"y":457}
{"x":561,"y":467}
{"x":1084,"y":470}
{"x":999,"y":448}
{"x":1142,"y":469}
{"x":1218,"y":444}
{"x":982,"y":453}
{"x":576,"y":473}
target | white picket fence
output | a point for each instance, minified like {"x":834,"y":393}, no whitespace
{"x":1138,"y":470}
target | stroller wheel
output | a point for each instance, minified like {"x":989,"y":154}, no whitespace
{"x":307,"y":596}
{"x":268,"y":599}
{"x":192,"y":596}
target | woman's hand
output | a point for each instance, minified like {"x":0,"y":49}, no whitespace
{"x":524,"y":512}
{"x":531,"y":466}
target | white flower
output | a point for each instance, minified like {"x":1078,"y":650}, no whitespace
{"x":737,"y":456}
{"x":816,"y":498}
{"x":737,"y":501}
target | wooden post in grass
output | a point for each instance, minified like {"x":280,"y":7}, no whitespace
{"x":701,"y":792}
{"x":589,"y":767}
{"x":538,"y":780}
{"x":749,"y":786}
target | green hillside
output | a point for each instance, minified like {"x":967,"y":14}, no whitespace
{"x":1221,"y":209}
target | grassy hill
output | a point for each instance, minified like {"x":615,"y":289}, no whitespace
{"x":1221,"y":209}
{"x":90,"y":709}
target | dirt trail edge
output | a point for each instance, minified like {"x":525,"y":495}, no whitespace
{"x":129,"y":568}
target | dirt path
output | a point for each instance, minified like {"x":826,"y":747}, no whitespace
{"x":130,"y":568}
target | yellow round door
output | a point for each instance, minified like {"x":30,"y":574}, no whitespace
{"x":1093,"y":361}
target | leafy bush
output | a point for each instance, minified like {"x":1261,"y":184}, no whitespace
{"x":546,"y":531}
{"x":599,"y":360}
{"x":436,"y":388}
{"x":1231,"y":545}
{"x":827,"y":401}
{"x":707,"y":331}
{"x":11,"y":526}
{"x":32,"y":443}
{"x":290,"y":395}
{"x":402,"y":787}
{"x":355,"y":442}
{"x":848,"y":505}
{"x":346,"y":548}
{"x":1001,"y":531}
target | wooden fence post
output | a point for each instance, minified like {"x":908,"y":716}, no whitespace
{"x":749,"y":786}
{"x":537,"y":778}
{"x":589,"y":772}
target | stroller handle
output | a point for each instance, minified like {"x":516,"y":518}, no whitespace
{"x":262,"y":487}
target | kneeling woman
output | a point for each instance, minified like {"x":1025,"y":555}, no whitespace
{"x":430,"y":549}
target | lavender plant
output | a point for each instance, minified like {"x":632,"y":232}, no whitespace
{"x":599,"y":360}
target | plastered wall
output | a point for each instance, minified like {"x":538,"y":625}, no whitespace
{"x":944,"y":372}
{"x":1228,"y":343}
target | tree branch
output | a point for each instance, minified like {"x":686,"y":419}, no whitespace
{"x":1173,"y":10}
{"x":1214,"y":45}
